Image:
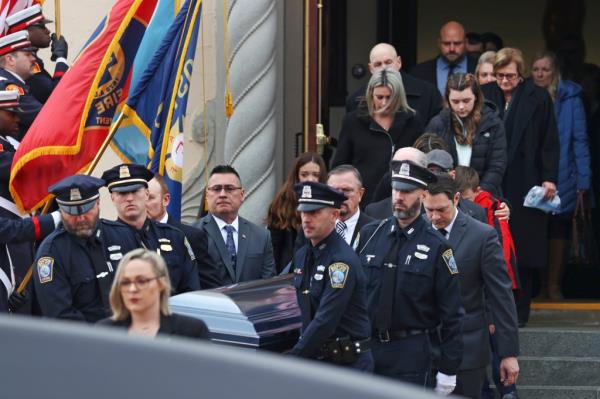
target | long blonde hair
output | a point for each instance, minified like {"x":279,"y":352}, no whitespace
{"x":391,"y":79}
{"x":553,"y":88}
{"x":159,"y":267}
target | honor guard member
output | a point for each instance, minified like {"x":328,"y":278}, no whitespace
{"x":330,"y":285}
{"x":71,"y":277}
{"x":31,"y":19}
{"x":16,"y":66}
{"x":413,"y":287}
{"x":128,"y":187}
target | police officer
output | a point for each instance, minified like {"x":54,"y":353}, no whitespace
{"x":128,"y":186}
{"x":31,"y":19}
{"x":330,"y":285}
{"x":413,"y":287}
{"x":71,"y":277}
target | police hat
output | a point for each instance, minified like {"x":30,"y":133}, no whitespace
{"x":9,"y":100}
{"x":15,"y":41}
{"x":127,"y":177}
{"x":77,"y":194}
{"x":31,"y":16}
{"x":440,"y":158}
{"x":313,"y":196}
{"x":408,"y":176}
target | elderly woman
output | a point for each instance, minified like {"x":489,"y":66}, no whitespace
{"x":574,"y":162}
{"x":283,"y":221}
{"x":532,"y":160}
{"x":370,"y":136}
{"x":485,"y":68}
{"x":139,"y":299}
{"x":472,"y":131}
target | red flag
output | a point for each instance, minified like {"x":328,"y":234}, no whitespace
{"x":71,"y":127}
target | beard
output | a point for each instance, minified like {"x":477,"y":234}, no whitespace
{"x":409,"y":213}
{"x":81,"y":229}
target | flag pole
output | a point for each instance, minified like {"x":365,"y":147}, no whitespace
{"x":57,"y":18}
{"x":90,"y":169}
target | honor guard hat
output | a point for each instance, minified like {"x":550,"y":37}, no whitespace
{"x":127,"y":177}
{"x":77,"y":194}
{"x":9,"y":101}
{"x":408,"y":176}
{"x":440,"y":158}
{"x":31,"y":16}
{"x":15,"y":41}
{"x":313,"y":196}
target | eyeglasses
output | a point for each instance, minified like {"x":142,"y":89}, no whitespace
{"x":508,"y":76}
{"x":218,"y":188}
{"x":140,"y":282}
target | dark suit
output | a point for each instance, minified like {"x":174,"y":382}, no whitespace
{"x":193,"y":235}
{"x":482,"y":274}
{"x":254,"y":254}
{"x":421,"y":96}
{"x":363,"y":220}
{"x":427,"y":70}
{"x":174,"y":324}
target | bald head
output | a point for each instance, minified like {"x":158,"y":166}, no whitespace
{"x":384,"y":55}
{"x":411,"y":154}
{"x":452,"y":42}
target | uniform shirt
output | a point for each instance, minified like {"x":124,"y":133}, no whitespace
{"x":72,"y":278}
{"x":427,"y":290}
{"x":336,"y":293}
{"x":28,"y":103}
{"x":165,"y":239}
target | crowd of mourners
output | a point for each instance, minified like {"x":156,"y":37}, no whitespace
{"x":413,"y":256}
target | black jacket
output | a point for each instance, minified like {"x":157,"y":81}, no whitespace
{"x":489,"y":146}
{"x":427,"y":70}
{"x":421,"y":96}
{"x":174,"y":324}
{"x":366,"y":145}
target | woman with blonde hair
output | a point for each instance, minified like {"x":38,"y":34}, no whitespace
{"x":139,"y":298}
{"x":485,"y":68}
{"x":371,"y":134}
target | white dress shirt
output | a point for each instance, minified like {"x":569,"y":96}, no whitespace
{"x":350,"y":226}
{"x":236,"y":224}
{"x":449,"y":227}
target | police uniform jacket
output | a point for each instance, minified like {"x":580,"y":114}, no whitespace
{"x":71,"y":277}
{"x":28,"y":103}
{"x":426,"y":291}
{"x":167,"y":240}
{"x":41,"y":83}
{"x":331,"y":288}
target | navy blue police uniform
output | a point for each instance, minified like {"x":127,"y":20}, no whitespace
{"x":165,"y":239}
{"x":19,"y":41}
{"x":413,"y":288}
{"x":331,"y":291}
{"x":71,"y":277}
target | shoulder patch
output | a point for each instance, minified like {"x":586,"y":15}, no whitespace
{"x":189,"y":248}
{"x":338,"y":273}
{"x":448,"y":257}
{"x":16,"y":88}
{"x":45,"y":269}
{"x":36,"y":68}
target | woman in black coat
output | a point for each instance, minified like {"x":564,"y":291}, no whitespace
{"x":369,"y":137}
{"x":472,"y":131}
{"x":139,"y":298}
{"x":533,"y":152}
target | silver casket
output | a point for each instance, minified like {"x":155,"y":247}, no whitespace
{"x":256,"y":314}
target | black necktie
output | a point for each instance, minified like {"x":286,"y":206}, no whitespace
{"x":443,"y":232}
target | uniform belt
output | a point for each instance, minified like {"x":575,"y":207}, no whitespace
{"x":344,"y":350}
{"x":387,"y":335}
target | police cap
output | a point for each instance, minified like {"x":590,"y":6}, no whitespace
{"x":31,"y":16}
{"x":77,"y":194}
{"x":313,"y":196}
{"x":127,"y":177}
{"x":408,"y":176}
{"x":15,"y":41}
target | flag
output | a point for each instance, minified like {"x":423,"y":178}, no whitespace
{"x":129,"y":143}
{"x":70,"y":129}
{"x":158,"y":105}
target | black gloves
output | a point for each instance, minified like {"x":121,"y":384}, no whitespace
{"x":16,"y":300}
{"x":59,"y":47}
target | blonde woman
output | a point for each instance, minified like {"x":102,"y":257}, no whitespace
{"x":139,"y":299}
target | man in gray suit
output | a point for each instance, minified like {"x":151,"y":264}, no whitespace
{"x":483,"y":278}
{"x":234,"y":249}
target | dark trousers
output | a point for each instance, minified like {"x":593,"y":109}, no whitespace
{"x":523,"y":298}
{"x":486,"y":392}
{"x":364,"y":362}
{"x":469,"y":383}
{"x":407,"y":359}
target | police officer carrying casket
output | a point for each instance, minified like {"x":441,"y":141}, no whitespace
{"x":330,"y":285}
{"x":71,"y":277}
{"x":128,"y":186}
{"x":413,"y":287}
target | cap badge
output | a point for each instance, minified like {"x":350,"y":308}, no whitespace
{"x":124,"y":172}
{"x":306,"y":192}
{"x":75,"y":194}
{"x":404,"y":169}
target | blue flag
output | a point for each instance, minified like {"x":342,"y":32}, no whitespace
{"x":157,"y":105}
